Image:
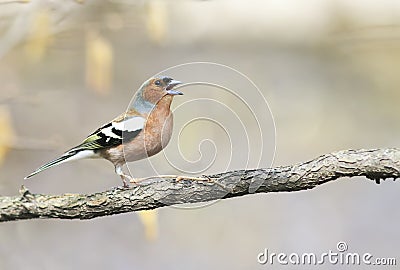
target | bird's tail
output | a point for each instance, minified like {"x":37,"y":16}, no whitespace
{"x":73,"y":154}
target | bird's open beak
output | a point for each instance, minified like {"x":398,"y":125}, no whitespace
{"x":170,"y":87}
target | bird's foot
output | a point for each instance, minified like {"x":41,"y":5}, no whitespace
{"x":125,"y":183}
{"x":129,"y":179}
{"x":126,"y":179}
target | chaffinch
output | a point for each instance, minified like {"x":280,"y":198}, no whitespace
{"x":142,"y":131}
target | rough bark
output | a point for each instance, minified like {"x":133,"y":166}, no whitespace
{"x":377,"y":164}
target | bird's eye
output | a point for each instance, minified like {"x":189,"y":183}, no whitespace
{"x":158,"y":83}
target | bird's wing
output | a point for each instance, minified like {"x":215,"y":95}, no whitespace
{"x":121,"y":129}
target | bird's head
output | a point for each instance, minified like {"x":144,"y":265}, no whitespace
{"x":154,"y":90}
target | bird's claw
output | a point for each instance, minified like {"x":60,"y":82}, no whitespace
{"x":126,"y":185}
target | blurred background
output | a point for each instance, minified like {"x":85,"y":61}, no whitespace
{"x":327,"y":69}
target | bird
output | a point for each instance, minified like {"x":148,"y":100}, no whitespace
{"x":140,"y":132}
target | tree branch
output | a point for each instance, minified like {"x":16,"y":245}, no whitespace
{"x":374,"y":164}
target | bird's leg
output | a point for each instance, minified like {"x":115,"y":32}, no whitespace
{"x":126,"y":179}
